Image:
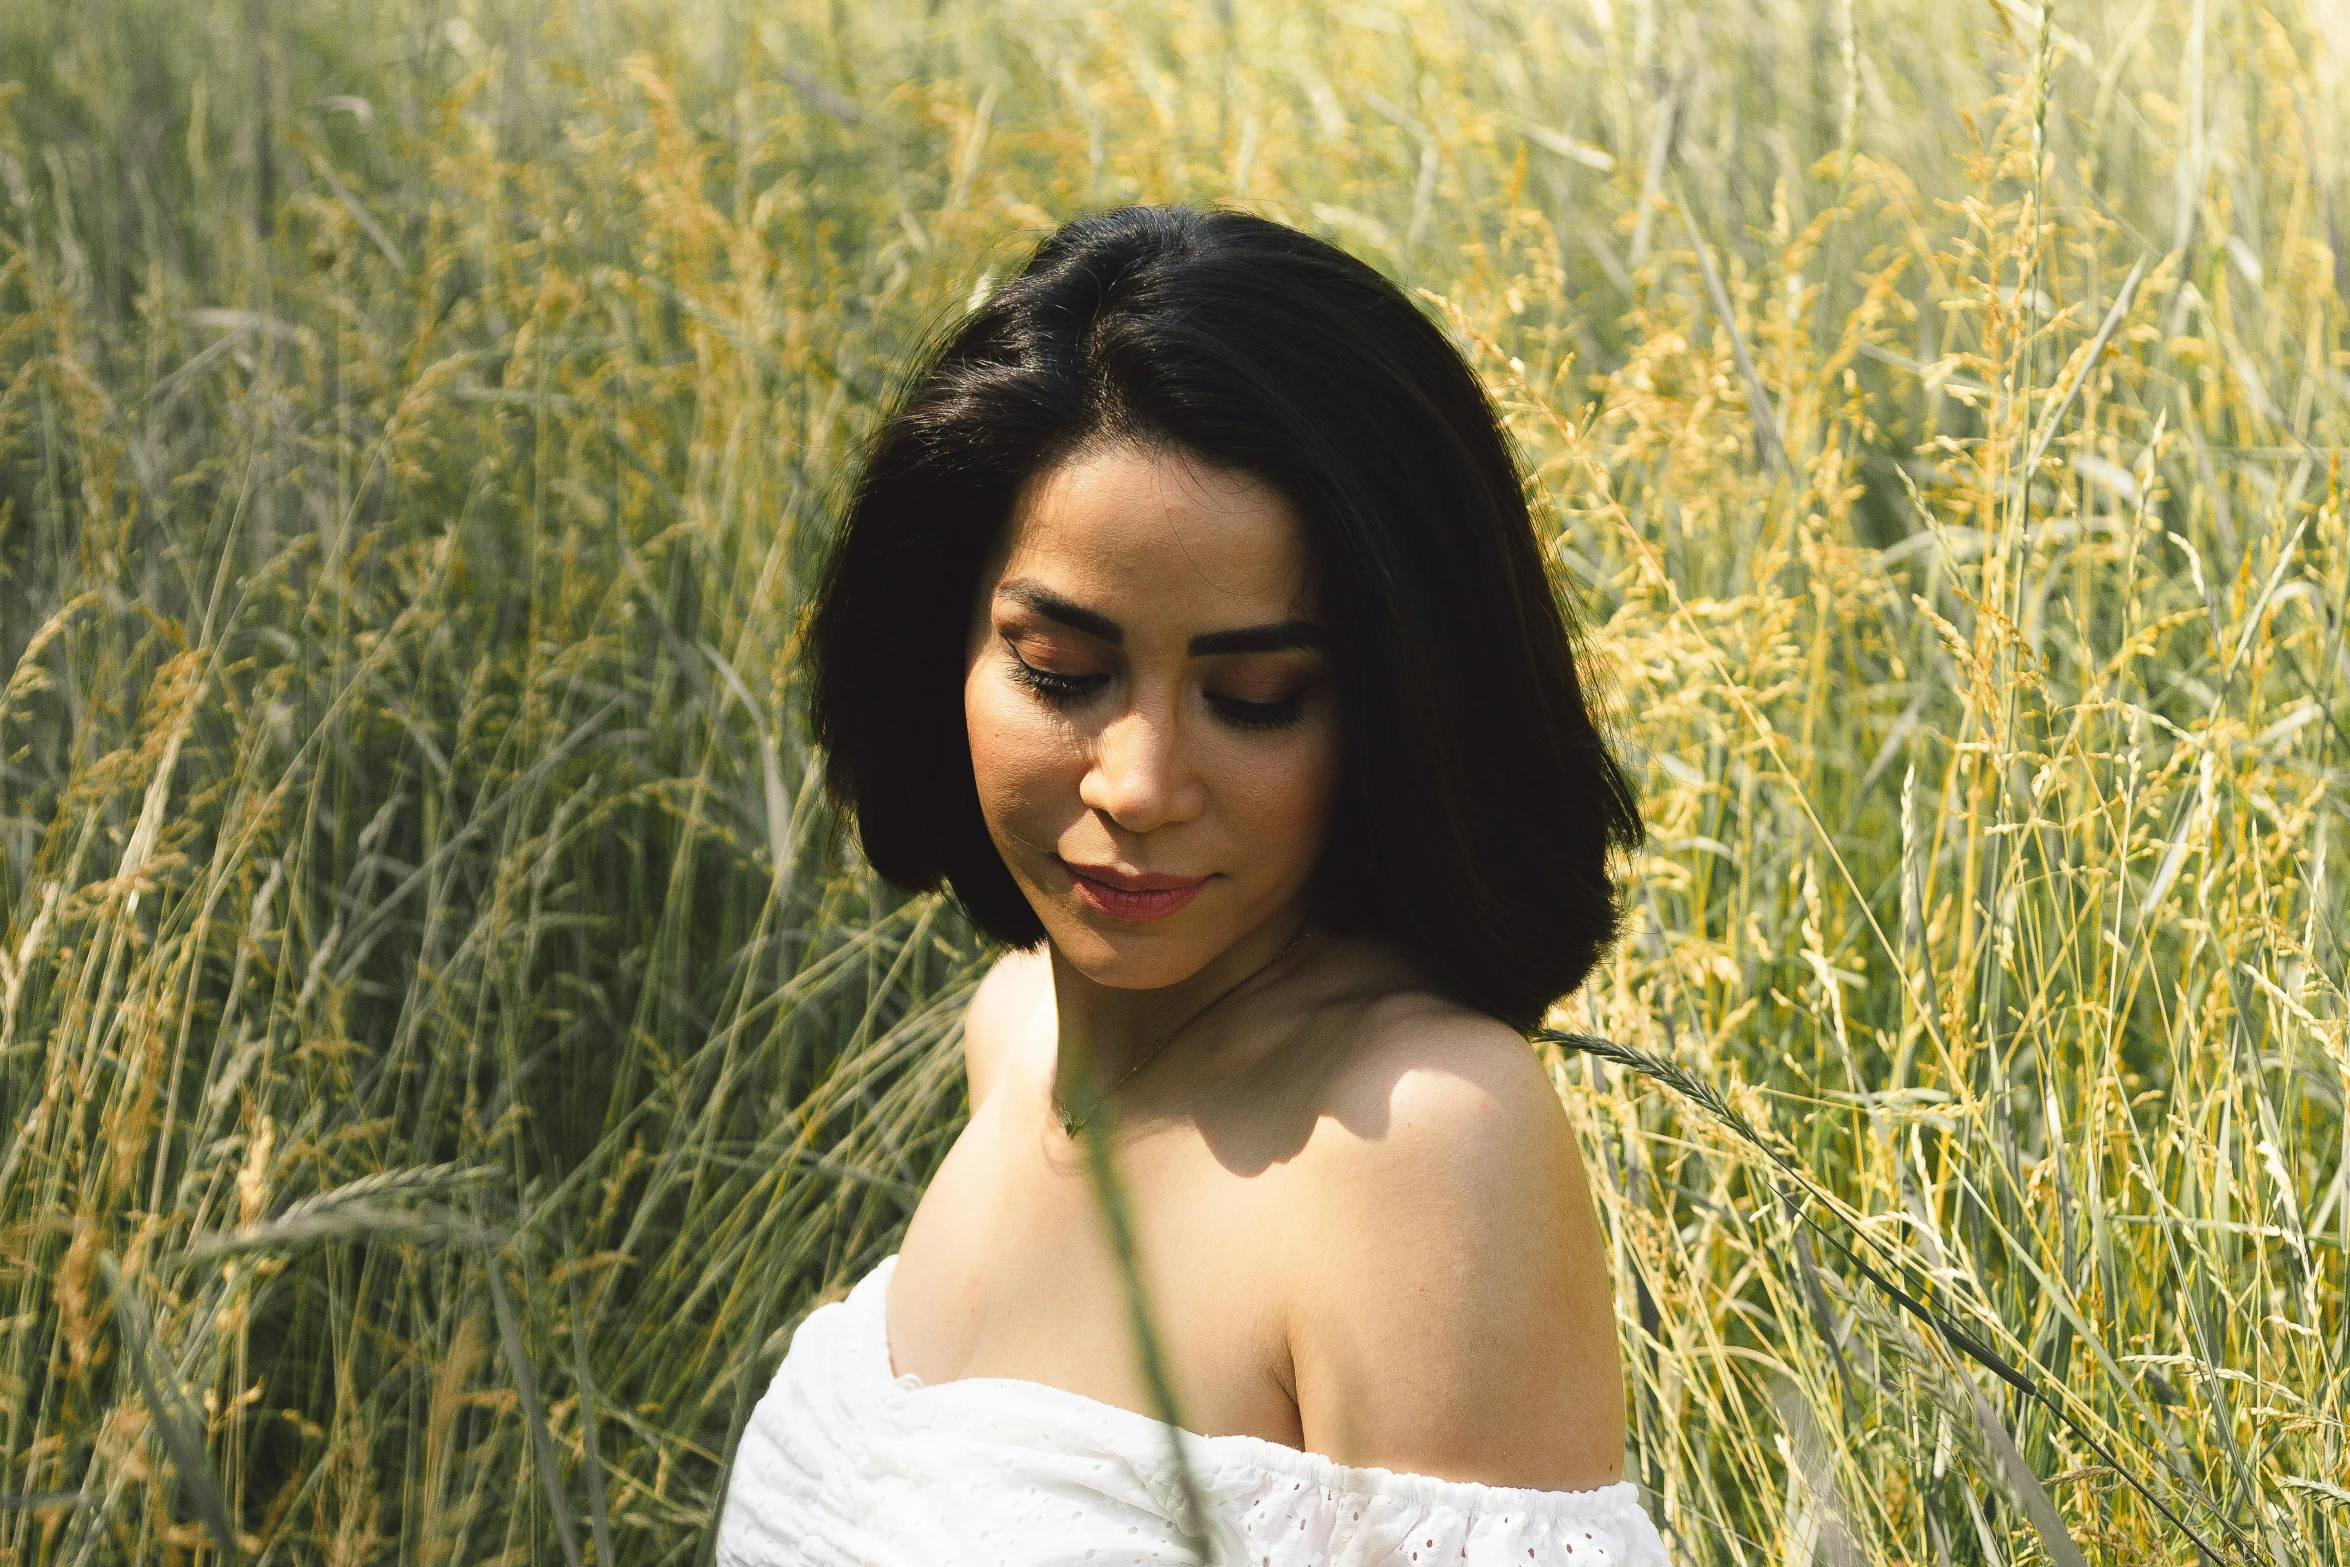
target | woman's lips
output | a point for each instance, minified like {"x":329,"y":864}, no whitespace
{"x":1106,"y":890}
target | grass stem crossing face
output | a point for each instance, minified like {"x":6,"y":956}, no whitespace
{"x":1148,"y":693}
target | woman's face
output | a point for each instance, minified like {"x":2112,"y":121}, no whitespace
{"x":1150,"y":708}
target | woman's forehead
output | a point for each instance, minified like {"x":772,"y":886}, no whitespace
{"x":1168,"y":538}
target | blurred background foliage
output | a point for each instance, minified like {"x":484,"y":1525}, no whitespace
{"x":445,"y":1044}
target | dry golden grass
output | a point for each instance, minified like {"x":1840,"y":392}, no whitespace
{"x":444,"y":1046}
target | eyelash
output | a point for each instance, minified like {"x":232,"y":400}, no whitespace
{"x":1061,"y":690}
{"x":1260,"y":715}
{"x":1054,"y":687}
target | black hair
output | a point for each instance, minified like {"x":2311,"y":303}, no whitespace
{"x":1477,"y":802}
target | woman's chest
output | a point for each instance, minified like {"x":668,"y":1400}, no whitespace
{"x":1008,"y":1271}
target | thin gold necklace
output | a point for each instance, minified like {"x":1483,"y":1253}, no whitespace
{"x":1071,"y":1124}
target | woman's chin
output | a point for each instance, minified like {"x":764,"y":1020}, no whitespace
{"x":1137,"y":959}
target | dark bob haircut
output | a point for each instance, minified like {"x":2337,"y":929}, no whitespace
{"x":1477,"y":801}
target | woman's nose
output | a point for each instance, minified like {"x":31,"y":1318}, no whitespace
{"x":1139,"y":779}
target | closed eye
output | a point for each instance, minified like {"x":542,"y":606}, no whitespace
{"x":1242,"y":714}
{"x":1054,"y":687}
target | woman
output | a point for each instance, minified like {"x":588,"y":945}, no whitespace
{"x":1188,"y":623}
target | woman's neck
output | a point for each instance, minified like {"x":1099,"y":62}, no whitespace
{"x":1105,"y":1032}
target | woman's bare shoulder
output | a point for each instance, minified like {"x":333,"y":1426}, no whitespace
{"x":1450,"y":1309}
{"x":1414,"y":1051}
{"x":1000,"y":1012}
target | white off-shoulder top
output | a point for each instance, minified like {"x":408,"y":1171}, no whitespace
{"x":845,"y":1465}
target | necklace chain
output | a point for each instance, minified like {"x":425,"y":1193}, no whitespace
{"x":1072,"y":1124}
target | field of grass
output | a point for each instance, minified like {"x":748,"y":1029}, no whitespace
{"x":445,"y":1044}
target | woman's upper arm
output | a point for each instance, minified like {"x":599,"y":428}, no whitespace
{"x":1452,"y":1314}
{"x":1000,"y":1009}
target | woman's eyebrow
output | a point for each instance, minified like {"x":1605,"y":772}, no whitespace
{"x":1279,"y":636}
{"x":1036,"y":596}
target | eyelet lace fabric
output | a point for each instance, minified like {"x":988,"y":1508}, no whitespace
{"x":843,"y":1465}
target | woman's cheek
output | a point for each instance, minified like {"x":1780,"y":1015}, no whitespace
{"x":1015,"y":761}
{"x":1284,"y":805}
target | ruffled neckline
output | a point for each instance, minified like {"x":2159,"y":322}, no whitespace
{"x":869,"y":1303}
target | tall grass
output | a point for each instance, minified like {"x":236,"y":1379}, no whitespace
{"x":445,"y":1045}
